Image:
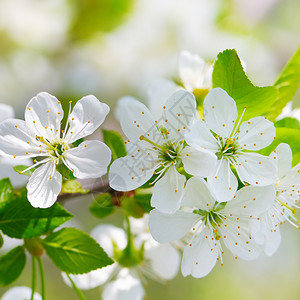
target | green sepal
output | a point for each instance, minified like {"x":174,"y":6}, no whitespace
{"x":34,"y":246}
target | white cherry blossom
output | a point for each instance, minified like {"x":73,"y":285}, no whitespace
{"x":20,"y":293}
{"x":40,"y":136}
{"x":157,"y":147}
{"x":266,"y":231}
{"x":7,"y":164}
{"x":194,"y":72}
{"x":222,"y":134}
{"x":161,"y":262}
{"x":211,"y":223}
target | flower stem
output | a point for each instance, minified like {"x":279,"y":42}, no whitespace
{"x":40,"y":264}
{"x":33,"y":278}
{"x":77,"y":290}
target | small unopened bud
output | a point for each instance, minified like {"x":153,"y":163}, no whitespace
{"x":34,"y":246}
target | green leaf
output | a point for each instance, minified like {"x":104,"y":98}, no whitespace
{"x":64,"y":171}
{"x":288,"y":123}
{"x":229,"y":75}
{"x":12,"y":265}
{"x":6,"y":190}
{"x":287,"y":84}
{"x":75,"y":252}
{"x":290,"y":136}
{"x":115,"y":142}
{"x":21,"y":168}
{"x":72,"y":187}
{"x":18,"y":219}
{"x":102,"y":206}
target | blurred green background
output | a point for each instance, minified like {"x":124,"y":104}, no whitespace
{"x":111,"y":48}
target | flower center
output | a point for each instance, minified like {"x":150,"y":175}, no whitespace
{"x":228,"y":148}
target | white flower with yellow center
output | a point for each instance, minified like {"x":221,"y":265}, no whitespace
{"x":211,"y":223}
{"x":40,"y":136}
{"x":158,"y":147}
{"x":266,"y":231}
{"x":221,"y":134}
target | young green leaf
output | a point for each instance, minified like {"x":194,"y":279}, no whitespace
{"x":102,"y":206}
{"x":18,"y":219}
{"x":229,"y":75}
{"x":290,"y":136}
{"x":21,"y":168}
{"x":115,"y":142}
{"x":75,"y":252}
{"x":287,"y":84}
{"x":6,"y":190}
{"x":72,"y":187}
{"x":12,"y":265}
{"x":288,"y":123}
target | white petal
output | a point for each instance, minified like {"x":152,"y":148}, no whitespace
{"x":266,"y":232}
{"x":198,"y":161}
{"x":44,"y":114}
{"x":106,"y":235}
{"x":292,"y":177}
{"x":90,"y":280}
{"x":192,"y":71}
{"x":168,"y":227}
{"x":179,"y":111}
{"x":124,"y":288}
{"x":251,"y":201}
{"x":122,"y":105}
{"x":158,"y":92}
{"x":256,"y":169}
{"x":256,"y":133}
{"x":223,"y":183}
{"x":44,"y":185}
{"x":284,"y":159}
{"x":220,"y":112}
{"x":128,"y":173}
{"x":20,"y":293}
{"x":137,"y":120}
{"x":200,"y":135}
{"x":89,"y":160}
{"x":198,"y":195}
{"x":87,"y":115}
{"x":6,"y":170}
{"x":237,"y":239}
{"x":18,"y":139}
{"x":168,"y":191}
{"x":6,"y":112}
{"x":164,"y":260}
{"x":200,"y":257}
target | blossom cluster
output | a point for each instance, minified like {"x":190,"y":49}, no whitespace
{"x":211,"y":188}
